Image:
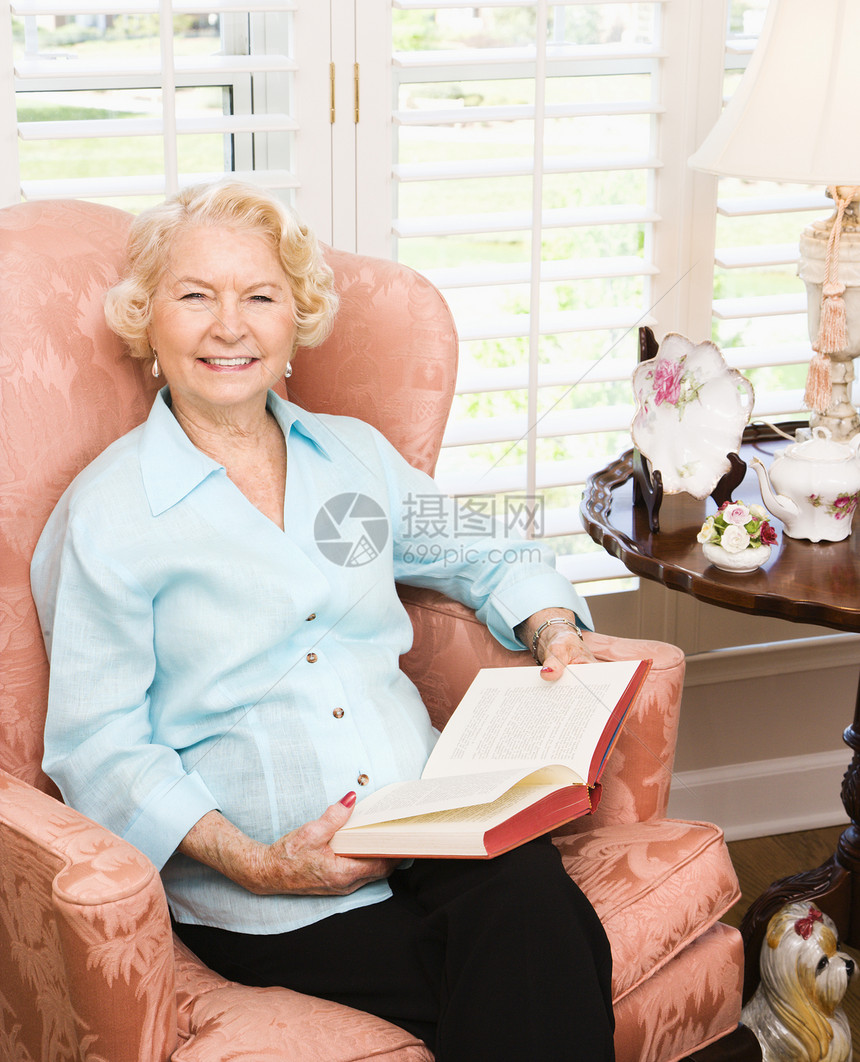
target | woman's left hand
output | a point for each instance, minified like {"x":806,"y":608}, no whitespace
{"x":562,"y":647}
{"x":558,"y":645}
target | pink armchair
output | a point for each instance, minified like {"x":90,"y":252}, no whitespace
{"x":88,"y":965}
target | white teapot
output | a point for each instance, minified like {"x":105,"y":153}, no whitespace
{"x":813,"y":487}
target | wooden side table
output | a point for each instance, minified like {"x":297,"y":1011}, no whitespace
{"x":802,"y":581}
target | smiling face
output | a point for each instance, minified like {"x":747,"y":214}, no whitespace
{"x":223,"y":322}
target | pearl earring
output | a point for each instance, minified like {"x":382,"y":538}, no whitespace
{"x":155,"y":371}
{"x":288,"y":372}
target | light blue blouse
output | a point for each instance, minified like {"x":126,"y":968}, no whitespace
{"x":202,"y":658}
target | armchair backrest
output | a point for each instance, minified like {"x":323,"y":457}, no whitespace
{"x":67,"y":390}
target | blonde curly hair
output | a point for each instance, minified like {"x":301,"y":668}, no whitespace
{"x":232,"y":204}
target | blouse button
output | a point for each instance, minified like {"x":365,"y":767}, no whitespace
{"x":338,"y":713}
{"x":312,"y":616}
{"x":311,"y":658}
{"x":362,"y":779}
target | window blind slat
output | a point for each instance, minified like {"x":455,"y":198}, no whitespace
{"x":561,"y":521}
{"x":468,"y":59}
{"x":512,"y":428}
{"x":457,"y":115}
{"x":590,"y":567}
{"x":472,"y":480}
{"x":514,"y":377}
{"x":779,"y":404}
{"x":489,"y":274}
{"x":757,"y":256}
{"x":428,"y":5}
{"x":759,"y":306}
{"x":154,"y":184}
{"x":510,"y":326}
{"x":520,"y":167}
{"x":450,"y":225}
{"x":773,"y":204}
{"x":114,"y":127}
{"x":766,"y":357}
{"x":23,"y":8}
{"x":209,"y":67}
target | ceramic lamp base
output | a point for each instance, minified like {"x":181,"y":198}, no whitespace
{"x":745,"y":561}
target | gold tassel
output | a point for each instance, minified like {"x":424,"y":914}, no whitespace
{"x":818,"y":384}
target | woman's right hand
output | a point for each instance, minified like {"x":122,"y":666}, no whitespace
{"x":301,"y":862}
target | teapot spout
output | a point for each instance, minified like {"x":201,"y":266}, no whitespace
{"x":781,"y":507}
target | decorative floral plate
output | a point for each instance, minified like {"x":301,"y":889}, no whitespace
{"x":692,"y":409}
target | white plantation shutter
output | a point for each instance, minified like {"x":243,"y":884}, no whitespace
{"x":541,"y":181}
{"x":525,"y":162}
{"x":126,"y":101}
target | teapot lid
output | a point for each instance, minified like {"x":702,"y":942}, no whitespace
{"x":821,"y":447}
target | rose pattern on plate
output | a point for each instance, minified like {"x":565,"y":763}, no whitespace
{"x":672,"y":385}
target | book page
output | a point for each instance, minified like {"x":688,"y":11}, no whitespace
{"x":512,"y":718}
{"x":487,"y":815}
{"x":428,"y":796}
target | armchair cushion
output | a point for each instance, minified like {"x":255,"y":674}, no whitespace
{"x":220,"y":1021}
{"x":656,"y":885}
{"x":689,"y":1003}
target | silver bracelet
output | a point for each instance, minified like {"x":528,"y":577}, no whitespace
{"x":550,"y":623}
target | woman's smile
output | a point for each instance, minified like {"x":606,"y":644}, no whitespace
{"x":228,"y":363}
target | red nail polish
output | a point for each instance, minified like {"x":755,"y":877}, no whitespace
{"x":348,"y":800}
{"x":547,"y":670}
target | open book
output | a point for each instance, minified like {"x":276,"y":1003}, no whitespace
{"x":519,"y":757}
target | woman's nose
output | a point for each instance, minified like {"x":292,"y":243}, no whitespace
{"x":228,"y":321}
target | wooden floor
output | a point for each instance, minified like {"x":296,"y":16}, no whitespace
{"x":763,"y":860}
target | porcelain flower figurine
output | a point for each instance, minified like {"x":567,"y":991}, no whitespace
{"x":738,"y":537}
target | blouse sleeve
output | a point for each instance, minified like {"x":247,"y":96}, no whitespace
{"x":97,"y":621}
{"x":477,"y":556}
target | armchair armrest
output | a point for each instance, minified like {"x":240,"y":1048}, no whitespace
{"x":451,"y":645}
{"x":86,"y":933}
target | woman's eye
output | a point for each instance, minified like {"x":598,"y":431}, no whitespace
{"x":260,"y":298}
{"x":191,"y":296}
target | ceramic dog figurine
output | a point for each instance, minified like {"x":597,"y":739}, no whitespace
{"x":795,"y":1011}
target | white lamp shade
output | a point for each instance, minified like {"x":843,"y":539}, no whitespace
{"x":793,"y":117}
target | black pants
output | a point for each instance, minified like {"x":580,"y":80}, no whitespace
{"x":501,"y":959}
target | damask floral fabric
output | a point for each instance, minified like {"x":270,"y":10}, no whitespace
{"x":88,"y":968}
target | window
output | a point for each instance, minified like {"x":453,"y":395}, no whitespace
{"x":529,"y":156}
{"x":134,"y":99}
{"x":540,"y":179}
{"x":525,"y":161}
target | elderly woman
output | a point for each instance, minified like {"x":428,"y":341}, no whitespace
{"x":218,"y":682}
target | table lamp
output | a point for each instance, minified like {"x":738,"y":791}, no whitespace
{"x":793,"y":119}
